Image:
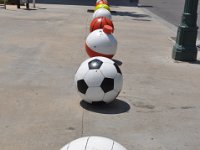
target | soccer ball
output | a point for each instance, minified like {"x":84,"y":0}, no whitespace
{"x":93,"y":143}
{"x":102,"y":12}
{"x":101,"y":42}
{"x":98,"y":79}
{"x":99,"y":23}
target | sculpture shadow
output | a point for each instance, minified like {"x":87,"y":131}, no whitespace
{"x":30,"y":9}
{"x":118,"y":62}
{"x":130,"y":14}
{"x":124,"y":13}
{"x":197,"y":62}
{"x":115,"y":107}
{"x":141,"y":19}
{"x":145,"y":6}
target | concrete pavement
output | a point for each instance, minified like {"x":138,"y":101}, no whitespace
{"x":40,"y":51}
{"x":170,"y":10}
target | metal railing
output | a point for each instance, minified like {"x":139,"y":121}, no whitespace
{"x":4,"y":4}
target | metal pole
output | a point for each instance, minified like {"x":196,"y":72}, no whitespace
{"x":27,"y":4}
{"x":33,"y":3}
{"x":185,"y":48}
{"x":4,"y":4}
{"x":18,"y":4}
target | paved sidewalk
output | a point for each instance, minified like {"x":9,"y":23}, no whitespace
{"x":40,"y":51}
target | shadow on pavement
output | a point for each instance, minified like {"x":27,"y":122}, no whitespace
{"x":115,"y":107}
{"x":129,"y":14}
{"x":142,"y":19}
{"x":124,"y":13}
{"x":118,"y":62}
{"x":145,"y":6}
{"x":197,"y":62}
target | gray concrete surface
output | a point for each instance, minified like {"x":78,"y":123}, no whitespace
{"x":40,"y":51}
{"x":88,"y":3}
{"x":170,"y":10}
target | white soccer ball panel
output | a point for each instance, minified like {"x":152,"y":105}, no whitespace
{"x":102,"y":12}
{"x":94,"y":78}
{"x":82,"y":70}
{"x":94,"y":94}
{"x":118,"y":146}
{"x":110,"y":96}
{"x":108,"y":70}
{"x":118,"y":82}
{"x":78,"y":144}
{"x":99,"y":143}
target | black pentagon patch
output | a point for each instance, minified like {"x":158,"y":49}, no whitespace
{"x":107,"y":85}
{"x":117,"y":68}
{"x":95,"y":64}
{"x":82,"y":86}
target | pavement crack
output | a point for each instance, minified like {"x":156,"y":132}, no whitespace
{"x":82,"y":124}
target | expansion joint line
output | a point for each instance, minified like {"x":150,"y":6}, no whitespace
{"x":82,"y":124}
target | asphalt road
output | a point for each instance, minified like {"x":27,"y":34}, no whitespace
{"x":169,"y":10}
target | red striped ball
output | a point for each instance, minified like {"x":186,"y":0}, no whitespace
{"x":99,"y":23}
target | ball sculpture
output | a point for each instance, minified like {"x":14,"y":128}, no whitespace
{"x":101,"y":42}
{"x":102,"y":6}
{"x":101,"y":2}
{"x":98,"y":79}
{"x":102,"y":12}
{"x":99,"y":23}
{"x":93,"y":143}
